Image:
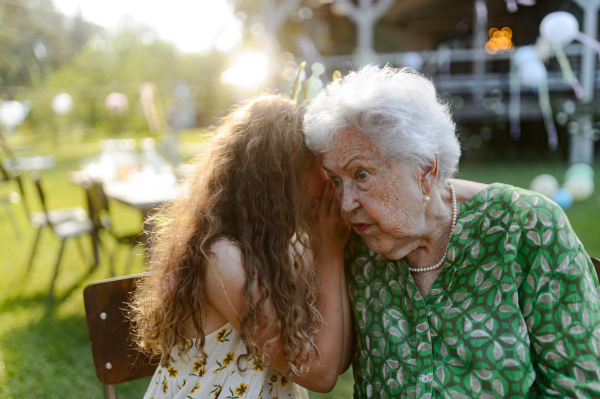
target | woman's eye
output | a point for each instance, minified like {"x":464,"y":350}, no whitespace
{"x":361,"y":174}
{"x":336,"y":181}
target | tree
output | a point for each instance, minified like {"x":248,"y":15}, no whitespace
{"x":35,"y":41}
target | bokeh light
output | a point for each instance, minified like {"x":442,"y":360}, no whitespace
{"x":116,"y":102}
{"x":62,"y":104}
{"x":250,"y":70}
{"x":12,"y":114}
{"x":500,"y":41}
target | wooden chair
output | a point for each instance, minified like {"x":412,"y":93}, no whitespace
{"x":65,"y":225}
{"x":596,"y":263}
{"x":98,"y":208}
{"x":115,"y":358}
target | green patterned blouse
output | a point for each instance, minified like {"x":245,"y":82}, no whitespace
{"x":514,"y":312}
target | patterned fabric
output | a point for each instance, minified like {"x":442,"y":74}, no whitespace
{"x":219,"y":376}
{"x":514,"y":312}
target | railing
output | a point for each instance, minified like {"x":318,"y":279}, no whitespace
{"x":469,"y":84}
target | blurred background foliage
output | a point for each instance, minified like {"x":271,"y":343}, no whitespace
{"x":43,"y":53}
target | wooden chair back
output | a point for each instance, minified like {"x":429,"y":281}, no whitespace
{"x":116,"y":359}
{"x":596,"y":263}
{"x":97,"y":204}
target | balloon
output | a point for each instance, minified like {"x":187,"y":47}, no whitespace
{"x":62,"y":104}
{"x":524,"y":54}
{"x":545,"y":185}
{"x":580,"y":169}
{"x":116,"y":102}
{"x":581,"y":187}
{"x":317,"y":68}
{"x":411,"y":60}
{"x":559,"y":27}
{"x":563,"y":198}
{"x":533,"y":72}
{"x":314,"y":85}
{"x":12,"y":113}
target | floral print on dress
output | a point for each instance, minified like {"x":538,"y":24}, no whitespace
{"x":195,"y":388}
{"x":229,"y":358}
{"x":217,"y":390}
{"x":172,"y":371}
{"x":241,"y":390}
{"x":217,"y":376}
{"x":257,"y":364}
{"x":226,"y":362}
{"x":198,"y":368}
{"x":223,"y":334}
{"x":165,"y":385}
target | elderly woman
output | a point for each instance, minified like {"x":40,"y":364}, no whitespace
{"x":458,"y":289}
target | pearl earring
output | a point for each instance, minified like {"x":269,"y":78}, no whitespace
{"x":426,"y":198}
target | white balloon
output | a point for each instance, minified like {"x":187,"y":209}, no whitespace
{"x":62,"y":104}
{"x":12,"y":113}
{"x":524,"y":54}
{"x":581,"y":187}
{"x":579,"y":169}
{"x":412,"y":60}
{"x":533,"y":73}
{"x":559,"y":27}
{"x":544,"y":184}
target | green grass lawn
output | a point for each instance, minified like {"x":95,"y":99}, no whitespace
{"x":44,"y":348}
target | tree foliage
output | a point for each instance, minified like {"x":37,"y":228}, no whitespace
{"x":43,"y":53}
{"x":34,"y":41}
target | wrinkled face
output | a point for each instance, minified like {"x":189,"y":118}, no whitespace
{"x":383,"y":199}
{"x":314,"y":179}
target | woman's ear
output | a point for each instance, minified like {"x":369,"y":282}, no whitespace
{"x":429,"y":176}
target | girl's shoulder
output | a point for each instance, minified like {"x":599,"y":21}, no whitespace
{"x":225,"y":281}
{"x":226,"y":256}
{"x":225,"y":269}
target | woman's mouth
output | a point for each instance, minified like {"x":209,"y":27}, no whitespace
{"x":360,"y":227}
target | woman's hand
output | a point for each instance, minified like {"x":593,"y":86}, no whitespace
{"x":331,"y":229}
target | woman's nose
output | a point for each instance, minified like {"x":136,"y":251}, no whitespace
{"x":349,"y":200}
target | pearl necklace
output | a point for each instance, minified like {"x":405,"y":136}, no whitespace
{"x":454,"y":215}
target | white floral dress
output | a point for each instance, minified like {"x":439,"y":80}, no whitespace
{"x":219,"y":376}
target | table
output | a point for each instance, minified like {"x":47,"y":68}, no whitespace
{"x":143,"y":195}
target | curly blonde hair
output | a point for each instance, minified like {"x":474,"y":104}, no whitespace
{"x":249,"y":187}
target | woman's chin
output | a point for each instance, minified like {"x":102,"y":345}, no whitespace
{"x":375,"y":243}
{"x":382,"y":244}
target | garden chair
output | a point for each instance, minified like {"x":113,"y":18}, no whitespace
{"x":48,"y":218}
{"x":100,"y":215}
{"x":64,"y":223}
{"x":8,"y":200}
{"x":116,"y":360}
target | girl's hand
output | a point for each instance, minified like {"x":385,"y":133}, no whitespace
{"x":332,"y":228}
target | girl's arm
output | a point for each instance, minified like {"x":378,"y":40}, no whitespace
{"x":225,"y":291}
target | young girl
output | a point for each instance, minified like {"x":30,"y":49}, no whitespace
{"x":246,"y":296}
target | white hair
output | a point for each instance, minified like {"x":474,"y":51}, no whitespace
{"x":397,"y":108}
